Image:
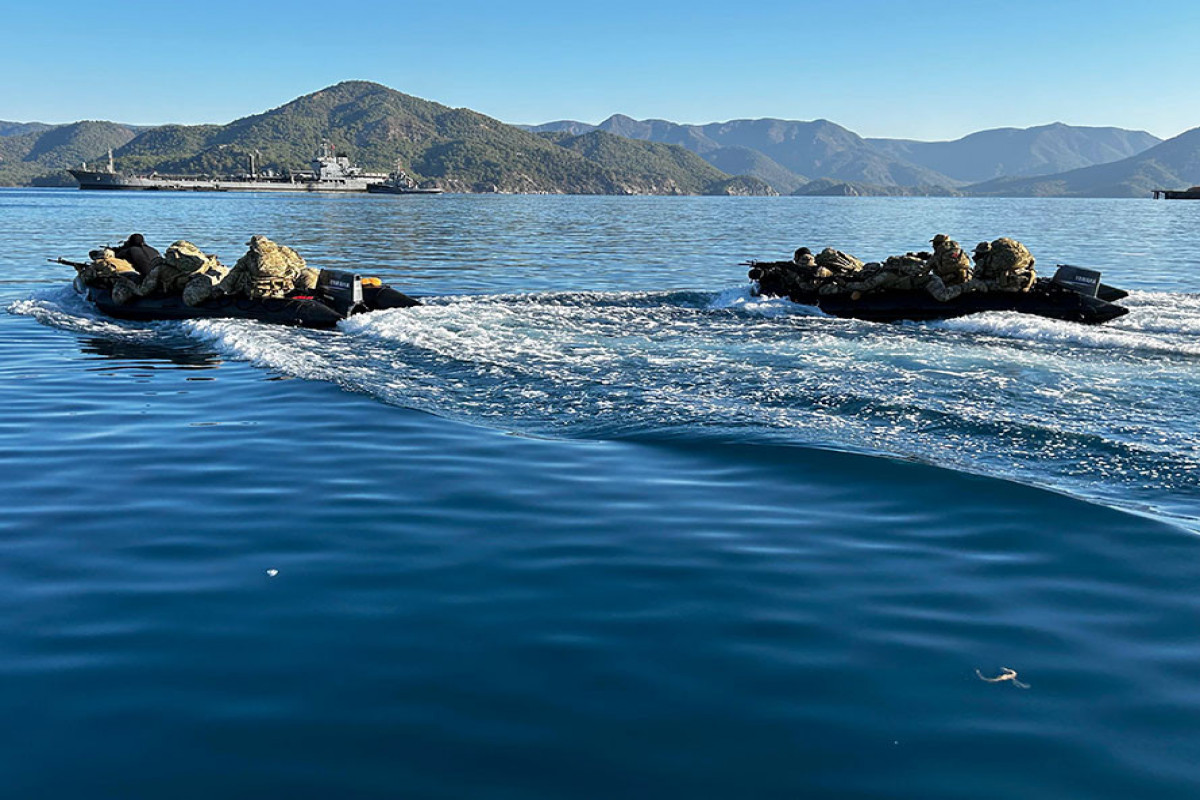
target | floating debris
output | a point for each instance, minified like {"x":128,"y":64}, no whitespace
{"x":1005,"y":675}
{"x":271,"y":573}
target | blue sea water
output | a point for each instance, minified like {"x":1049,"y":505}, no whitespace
{"x":594,"y":521}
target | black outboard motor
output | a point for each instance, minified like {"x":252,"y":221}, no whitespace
{"x":1084,"y":281}
{"x":342,"y":291}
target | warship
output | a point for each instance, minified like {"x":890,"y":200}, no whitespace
{"x":328,"y":173}
{"x":399,"y":182}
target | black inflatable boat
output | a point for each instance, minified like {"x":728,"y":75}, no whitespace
{"x":1073,"y":294}
{"x":338,"y":295}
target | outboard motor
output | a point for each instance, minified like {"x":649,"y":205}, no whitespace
{"x":1084,"y":281}
{"x":342,"y":291}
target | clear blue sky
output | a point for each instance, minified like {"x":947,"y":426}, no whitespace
{"x":923,"y":70}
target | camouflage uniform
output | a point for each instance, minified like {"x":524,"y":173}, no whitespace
{"x":949,"y":262}
{"x":104,"y":268}
{"x":949,"y":271}
{"x":798,"y":279}
{"x":837,"y":270}
{"x":897,"y":273}
{"x":1004,"y":265}
{"x":267,"y":270}
{"x":182,"y":262}
{"x":837,"y":262}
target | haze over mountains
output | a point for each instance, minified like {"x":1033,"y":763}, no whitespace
{"x":462,"y":150}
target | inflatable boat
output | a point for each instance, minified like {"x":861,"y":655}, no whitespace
{"x":1074,"y":294}
{"x":338,"y":295}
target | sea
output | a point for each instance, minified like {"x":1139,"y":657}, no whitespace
{"x":595,"y":521}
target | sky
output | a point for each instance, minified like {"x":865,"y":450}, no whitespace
{"x":915,"y":70}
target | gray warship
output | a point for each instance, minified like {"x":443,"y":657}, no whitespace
{"x":328,"y":173}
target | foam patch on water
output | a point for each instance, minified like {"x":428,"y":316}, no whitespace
{"x":1156,"y":324}
{"x":63,"y":308}
{"x":742,"y":298}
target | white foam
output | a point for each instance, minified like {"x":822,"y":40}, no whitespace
{"x":743,"y":298}
{"x":1141,"y":330}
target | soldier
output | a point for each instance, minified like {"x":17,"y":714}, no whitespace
{"x":837,"y":262}
{"x":104,"y":268}
{"x":949,"y":270}
{"x":178,"y":267}
{"x":267,"y":270}
{"x":897,"y":273}
{"x":142,"y":256}
{"x":1004,"y":265}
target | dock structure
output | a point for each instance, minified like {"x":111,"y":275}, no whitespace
{"x":1177,"y":194}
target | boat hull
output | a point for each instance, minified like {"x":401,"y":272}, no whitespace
{"x":89,"y":179}
{"x":1045,"y":299}
{"x":380,"y":188}
{"x":300,"y":312}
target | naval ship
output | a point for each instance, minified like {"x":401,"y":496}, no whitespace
{"x":328,"y":173}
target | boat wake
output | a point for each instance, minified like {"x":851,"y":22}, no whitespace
{"x":1099,"y":412}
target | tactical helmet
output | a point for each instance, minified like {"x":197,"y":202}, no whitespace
{"x":941,"y":238}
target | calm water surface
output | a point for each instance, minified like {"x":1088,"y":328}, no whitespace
{"x":594,"y":521}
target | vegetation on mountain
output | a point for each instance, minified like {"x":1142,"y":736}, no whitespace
{"x":22,"y":128}
{"x":457,"y":149}
{"x":738,"y":160}
{"x":742,"y":186}
{"x":830,"y":187}
{"x":40,"y":155}
{"x":666,"y":169}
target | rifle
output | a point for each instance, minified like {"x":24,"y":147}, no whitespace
{"x":61,"y":260}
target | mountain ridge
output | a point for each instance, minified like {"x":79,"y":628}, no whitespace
{"x":462,"y":150}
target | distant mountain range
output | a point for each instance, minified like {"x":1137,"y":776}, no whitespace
{"x":789,"y":154}
{"x":462,"y":150}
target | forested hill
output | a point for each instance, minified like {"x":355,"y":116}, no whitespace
{"x":41,"y":154}
{"x":455,"y":148}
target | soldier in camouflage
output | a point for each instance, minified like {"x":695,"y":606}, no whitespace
{"x":267,"y":270}
{"x":104,"y":268}
{"x":1004,"y":265}
{"x":897,"y":273}
{"x":949,"y":270}
{"x":182,"y":263}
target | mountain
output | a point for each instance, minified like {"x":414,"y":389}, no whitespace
{"x":665,"y":169}
{"x":41,"y":154}
{"x":455,"y":148}
{"x":22,"y":128}
{"x":1174,"y":163}
{"x":1017,"y":152}
{"x":748,"y":161}
{"x":561,"y":126}
{"x":815,"y":149}
{"x":828,"y":187}
{"x":787,"y":154}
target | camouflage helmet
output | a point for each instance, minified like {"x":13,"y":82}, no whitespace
{"x":983,"y":247}
{"x":941,"y":238}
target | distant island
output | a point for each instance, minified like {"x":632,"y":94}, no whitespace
{"x":460,"y":150}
